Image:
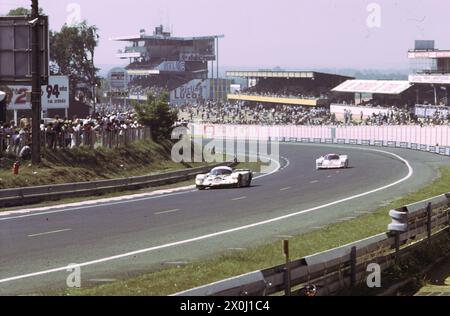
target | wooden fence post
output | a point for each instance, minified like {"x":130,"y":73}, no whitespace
{"x":287,"y":278}
{"x":397,"y":247}
{"x":448,"y":214}
{"x":429,"y":213}
{"x":353,"y":267}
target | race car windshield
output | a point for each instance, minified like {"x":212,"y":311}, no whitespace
{"x":332,"y":157}
{"x":221,"y":172}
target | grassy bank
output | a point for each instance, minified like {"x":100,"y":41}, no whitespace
{"x":84,"y":164}
{"x":172,"y":280}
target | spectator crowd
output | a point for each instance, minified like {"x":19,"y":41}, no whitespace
{"x":64,"y":133}
{"x":273,"y":88}
{"x":259,"y":114}
{"x":240,"y":113}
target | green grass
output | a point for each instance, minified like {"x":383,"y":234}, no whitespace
{"x":84,"y":164}
{"x":172,"y":280}
{"x":437,"y":280}
{"x":430,"y":288}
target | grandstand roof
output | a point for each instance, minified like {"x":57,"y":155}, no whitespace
{"x":413,"y":54}
{"x":393,"y":87}
{"x":281,"y":74}
{"x":165,"y":38}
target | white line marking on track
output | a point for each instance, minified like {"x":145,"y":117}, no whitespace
{"x":102,"y":280}
{"x":50,"y":233}
{"x":177,"y":263}
{"x":168,"y":212}
{"x":285,"y":189}
{"x":225,"y":232}
{"x":288,"y":163}
{"x":315,"y":181}
{"x":239,"y":198}
{"x":345,"y":219}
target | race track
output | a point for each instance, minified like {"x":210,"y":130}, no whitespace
{"x":122,"y":238}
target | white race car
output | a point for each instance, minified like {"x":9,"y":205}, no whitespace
{"x":224,"y":177}
{"x":332,"y":161}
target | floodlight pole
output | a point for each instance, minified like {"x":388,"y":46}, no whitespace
{"x":36,"y":85}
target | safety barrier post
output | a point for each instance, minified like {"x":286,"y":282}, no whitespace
{"x":397,"y":247}
{"x":287,"y":275}
{"x":429,"y":213}
{"x":353,"y":267}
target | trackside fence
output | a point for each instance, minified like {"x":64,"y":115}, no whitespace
{"x":428,"y":139}
{"x":345,"y":267}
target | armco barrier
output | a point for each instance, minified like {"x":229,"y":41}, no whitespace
{"x":344,"y":267}
{"x":29,"y":195}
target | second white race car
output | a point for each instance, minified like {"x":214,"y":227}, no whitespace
{"x":224,"y":177}
{"x":332,"y":161}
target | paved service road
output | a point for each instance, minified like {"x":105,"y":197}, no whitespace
{"x":122,"y":238}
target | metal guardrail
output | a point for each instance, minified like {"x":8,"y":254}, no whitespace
{"x":29,"y":195}
{"x":343,"y":267}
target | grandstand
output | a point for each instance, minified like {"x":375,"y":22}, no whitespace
{"x":430,"y":73}
{"x":424,"y":95}
{"x":162,"y":62}
{"x":304,"y":88}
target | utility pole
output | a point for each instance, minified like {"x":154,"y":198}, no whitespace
{"x":36,"y":85}
{"x":94,"y":84}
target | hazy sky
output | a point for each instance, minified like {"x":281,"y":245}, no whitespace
{"x":289,"y":33}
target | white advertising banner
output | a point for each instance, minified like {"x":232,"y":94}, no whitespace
{"x":373,"y":86}
{"x":192,"y":92}
{"x":435,"y":54}
{"x":54,"y":96}
{"x":427,"y":111}
{"x":432,"y":79}
{"x":172,"y":66}
{"x":339,"y":110}
{"x":118,"y":78}
{"x":20,"y":99}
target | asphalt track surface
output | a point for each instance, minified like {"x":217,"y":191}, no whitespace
{"x":117,"y":240}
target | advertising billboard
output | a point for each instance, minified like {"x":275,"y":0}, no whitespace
{"x":16,"y":52}
{"x":172,"y":66}
{"x":55,"y":95}
{"x":192,"y":92}
{"x":118,"y":78}
{"x":430,"y":79}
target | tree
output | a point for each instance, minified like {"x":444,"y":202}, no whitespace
{"x":22,"y":11}
{"x":72,"y":54}
{"x":156,"y":114}
{"x":9,"y":93}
